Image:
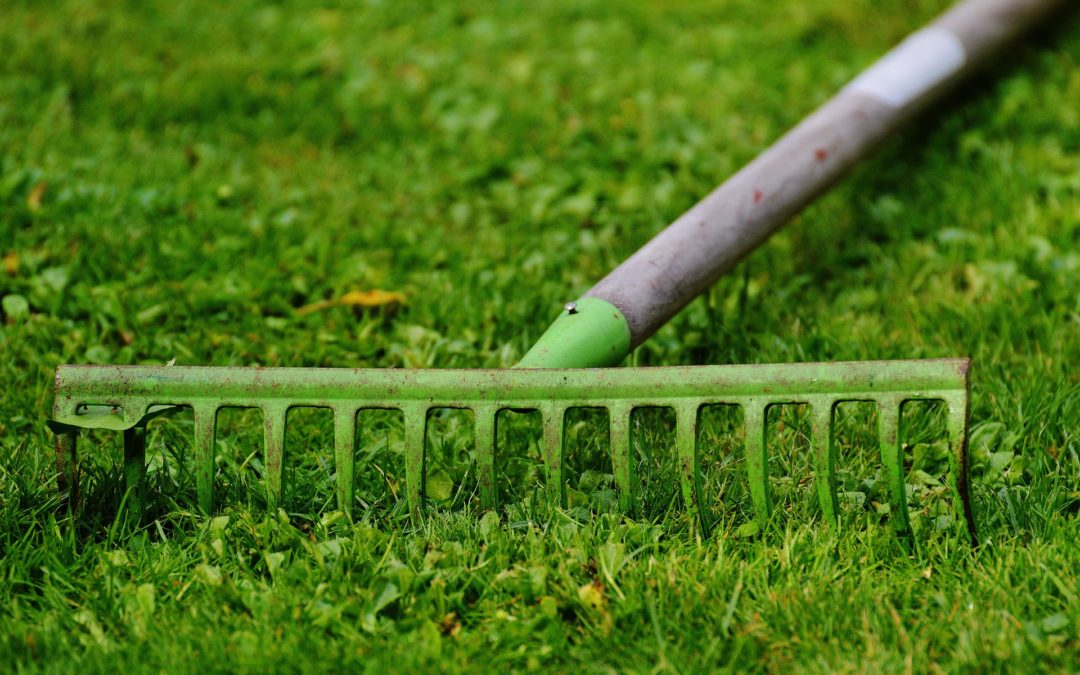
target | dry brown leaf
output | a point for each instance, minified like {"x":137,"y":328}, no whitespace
{"x":315,"y":307}
{"x":450,"y":625}
{"x":592,"y":595}
{"x":11,"y":263}
{"x":372,"y":298}
{"x":37,"y":193}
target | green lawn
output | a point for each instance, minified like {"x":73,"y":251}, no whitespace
{"x":178,"y":179}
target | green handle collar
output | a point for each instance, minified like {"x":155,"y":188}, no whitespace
{"x":590,"y":333}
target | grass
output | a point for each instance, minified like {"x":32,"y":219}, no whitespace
{"x":177,"y":179}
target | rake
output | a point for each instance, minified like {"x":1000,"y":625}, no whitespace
{"x":566,"y":368}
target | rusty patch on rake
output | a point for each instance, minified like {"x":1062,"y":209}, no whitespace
{"x":125,"y":398}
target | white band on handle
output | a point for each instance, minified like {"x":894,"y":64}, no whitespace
{"x":915,"y":66}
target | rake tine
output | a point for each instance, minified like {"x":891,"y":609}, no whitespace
{"x":135,"y":465}
{"x":484,"y":434}
{"x":274,"y":447}
{"x":958,"y":463}
{"x":622,"y":460}
{"x":345,"y":453}
{"x":415,"y":439}
{"x":67,"y":476}
{"x":553,"y":452}
{"x":756,"y":459}
{"x":892,"y":459}
{"x":689,"y":476}
{"x":205,"y":421}
{"x":822,"y":438}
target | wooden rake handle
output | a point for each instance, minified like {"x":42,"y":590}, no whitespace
{"x":708,"y":240}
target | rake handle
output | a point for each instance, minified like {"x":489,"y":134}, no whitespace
{"x":689,"y":255}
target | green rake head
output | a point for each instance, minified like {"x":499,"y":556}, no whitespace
{"x":125,"y":398}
